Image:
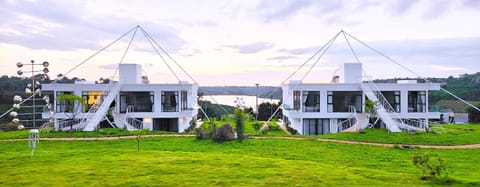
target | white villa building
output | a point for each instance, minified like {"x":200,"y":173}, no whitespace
{"x":314,"y":109}
{"x":132,"y":102}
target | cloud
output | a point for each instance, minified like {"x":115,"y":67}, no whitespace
{"x":281,"y":58}
{"x":436,"y":9}
{"x":280,"y":9}
{"x":108,"y":66}
{"x":402,"y":7}
{"x":300,"y":51}
{"x":432,"y":57}
{"x":446,"y":68}
{"x":277,"y":10}
{"x":58,"y":26}
{"x":475,"y":4}
{"x":190,"y":52}
{"x":251,"y":48}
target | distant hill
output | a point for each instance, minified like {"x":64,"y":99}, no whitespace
{"x":466,"y":86}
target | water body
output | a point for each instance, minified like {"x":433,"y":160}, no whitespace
{"x":248,"y":101}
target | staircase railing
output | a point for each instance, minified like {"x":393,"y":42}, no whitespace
{"x":345,"y":124}
{"x":390,"y":111}
{"x":134,"y":122}
{"x":97,"y":111}
{"x":70,"y":123}
{"x":418,"y":123}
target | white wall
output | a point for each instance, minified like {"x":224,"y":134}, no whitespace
{"x":351,"y":73}
{"x":130,"y":74}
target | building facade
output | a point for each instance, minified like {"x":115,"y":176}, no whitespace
{"x":131,"y":103}
{"x":314,"y":109}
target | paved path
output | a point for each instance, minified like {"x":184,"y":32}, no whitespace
{"x":471,"y":146}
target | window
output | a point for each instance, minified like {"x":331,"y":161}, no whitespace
{"x":169,"y":101}
{"x":184,"y":101}
{"x":140,"y":101}
{"x":91,"y":98}
{"x":64,"y":106}
{"x":341,"y":101}
{"x":316,"y":126}
{"x":416,"y":101}
{"x":296,"y":100}
{"x":311,"y":101}
{"x":393,"y":98}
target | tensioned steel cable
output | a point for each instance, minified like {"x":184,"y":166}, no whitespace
{"x":411,"y":71}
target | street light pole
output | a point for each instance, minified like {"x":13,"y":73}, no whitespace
{"x":256,"y":102}
{"x":33,"y":92}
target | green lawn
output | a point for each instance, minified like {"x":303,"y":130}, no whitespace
{"x":184,"y":161}
{"x":453,"y":135}
{"x":80,"y":134}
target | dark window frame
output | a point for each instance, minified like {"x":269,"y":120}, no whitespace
{"x":135,"y":99}
{"x":167,"y":104}
{"x":296,"y":100}
{"x":311,"y":101}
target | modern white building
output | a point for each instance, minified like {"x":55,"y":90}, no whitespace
{"x":314,"y":109}
{"x":132,"y":102}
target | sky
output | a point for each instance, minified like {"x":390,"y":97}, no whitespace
{"x":237,"y":42}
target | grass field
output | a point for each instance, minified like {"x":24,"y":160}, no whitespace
{"x":106,"y":132}
{"x":184,"y":161}
{"x":453,"y":135}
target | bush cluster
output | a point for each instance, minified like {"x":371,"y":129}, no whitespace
{"x":8,"y":127}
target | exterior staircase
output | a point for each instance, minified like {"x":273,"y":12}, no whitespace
{"x":385,"y":111}
{"x":361,"y":123}
{"x":355,"y":123}
{"x":97,"y":116}
{"x":125,"y":121}
{"x":132,"y":124}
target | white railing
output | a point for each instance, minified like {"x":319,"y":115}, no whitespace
{"x":345,"y":124}
{"x":67,"y":124}
{"x":98,"y":110}
{"x":390,"y":112}
{"x":133,"y":122}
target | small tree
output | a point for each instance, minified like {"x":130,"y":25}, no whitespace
{"x":370,"y":106}
{"x":239,"y":120}
{"x":435,"y":168}
{"x":473,"y":114}
{"x":138,"y":136}
{"x":256,"y":127}
{"x":72,"y":105}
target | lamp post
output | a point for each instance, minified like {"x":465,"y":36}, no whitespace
{"x":34,"y":87}
{"x":256,"y":102}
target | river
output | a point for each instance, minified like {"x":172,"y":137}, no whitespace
{"x":248,"y":101}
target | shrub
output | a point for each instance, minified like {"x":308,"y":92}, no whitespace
{"x":8,"y":127}
{"x":435,"y":168}
{"x":473,"y":114}
{"x":200,"y":134}
{"x":273,"y":127}
{"x":224,"y":133}
{"x":191,"y":128}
